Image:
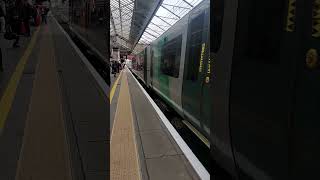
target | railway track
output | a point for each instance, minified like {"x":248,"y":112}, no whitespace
{"x":99,"y":64}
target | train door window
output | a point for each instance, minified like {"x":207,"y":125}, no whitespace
{"x":194,"y":46}
{"x":260,"y":38}
{"x":170,"y":59}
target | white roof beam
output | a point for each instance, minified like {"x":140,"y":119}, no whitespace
{"x":188,"y":3}
{"x":150,"y":34}
{"x":158,"y":26}
{"x":170,"y":11}
{"x":120,"y":17}
{"x":169,"y":18}
{"x":154,"y":31}
{"x":176,"y":6}
{"x":163,"y":20}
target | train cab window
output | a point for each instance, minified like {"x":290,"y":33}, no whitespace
{"x":261,"y":31}
{"x":194,"y":46}
{"x":170,"y":59}
{"x":217,"y":12}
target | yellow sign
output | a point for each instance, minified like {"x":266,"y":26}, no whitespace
{"x":207,"y":80}
{"x":209,"y":65}
{"x":316,"y":19}
{"x":201,"y":57}
{"x":291,"y":18}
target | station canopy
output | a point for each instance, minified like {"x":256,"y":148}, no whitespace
{"x":134,"y":24}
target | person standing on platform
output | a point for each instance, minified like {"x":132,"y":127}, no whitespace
{"x":121,"y":63}
{"x":25,"y":16}
{"x":13,"y":23}
{"x":118,"y":67}
{"x":114,"y":68}
{"x":2,"y":16}
{"x":44,"y":11}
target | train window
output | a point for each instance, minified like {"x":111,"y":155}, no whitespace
{"x":194,"y":46}
{"x":260,"y":36}
{"x":170,"y":59}
{"x":218,"y":11}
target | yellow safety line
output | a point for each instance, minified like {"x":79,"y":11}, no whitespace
{"x":9,"y":94}
{"x":113,"y":89}
{"x":124,"y":150}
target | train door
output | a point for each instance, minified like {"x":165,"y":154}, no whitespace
{"x":223,"y":25}
{"x":266,"y":52}
{"x":305,"y":125}
{"x":195,"y":69}
{"x":206,"y":103}
{"x":145,"y":63}
{"x":151,"y":65}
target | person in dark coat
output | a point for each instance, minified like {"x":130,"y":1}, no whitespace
{"x":26,"y":11}
{"x":118,"y":66}
{"x":44,"y":14}
{"x":14,"y":22}
{"x":2,"y":16}
{"x":114,"y":68}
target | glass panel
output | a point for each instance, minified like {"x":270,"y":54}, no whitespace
{"x":170,"y":59}
{"x":195,"y":46}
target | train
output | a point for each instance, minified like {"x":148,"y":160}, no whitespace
{"x":162,"y":67}
{"x":251,"y":88}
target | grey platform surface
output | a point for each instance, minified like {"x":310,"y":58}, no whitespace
{"x":12,"y":133}
{"x":85,"y":106}
{"x":87,"y":110}
{"x":160,"y":156}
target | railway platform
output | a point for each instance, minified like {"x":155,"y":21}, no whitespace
{"x":54,"y":110}
{"x":144,"y":144}
{"x":94,"y":36}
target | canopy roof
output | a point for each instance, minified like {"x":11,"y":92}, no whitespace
{"x":136,"y":23}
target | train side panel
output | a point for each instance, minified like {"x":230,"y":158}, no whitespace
{"x":147,"y":71}
{"x":197,"y":69}
{"x":167,"y":59}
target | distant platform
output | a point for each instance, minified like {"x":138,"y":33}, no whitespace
{"x":148,"y":140}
